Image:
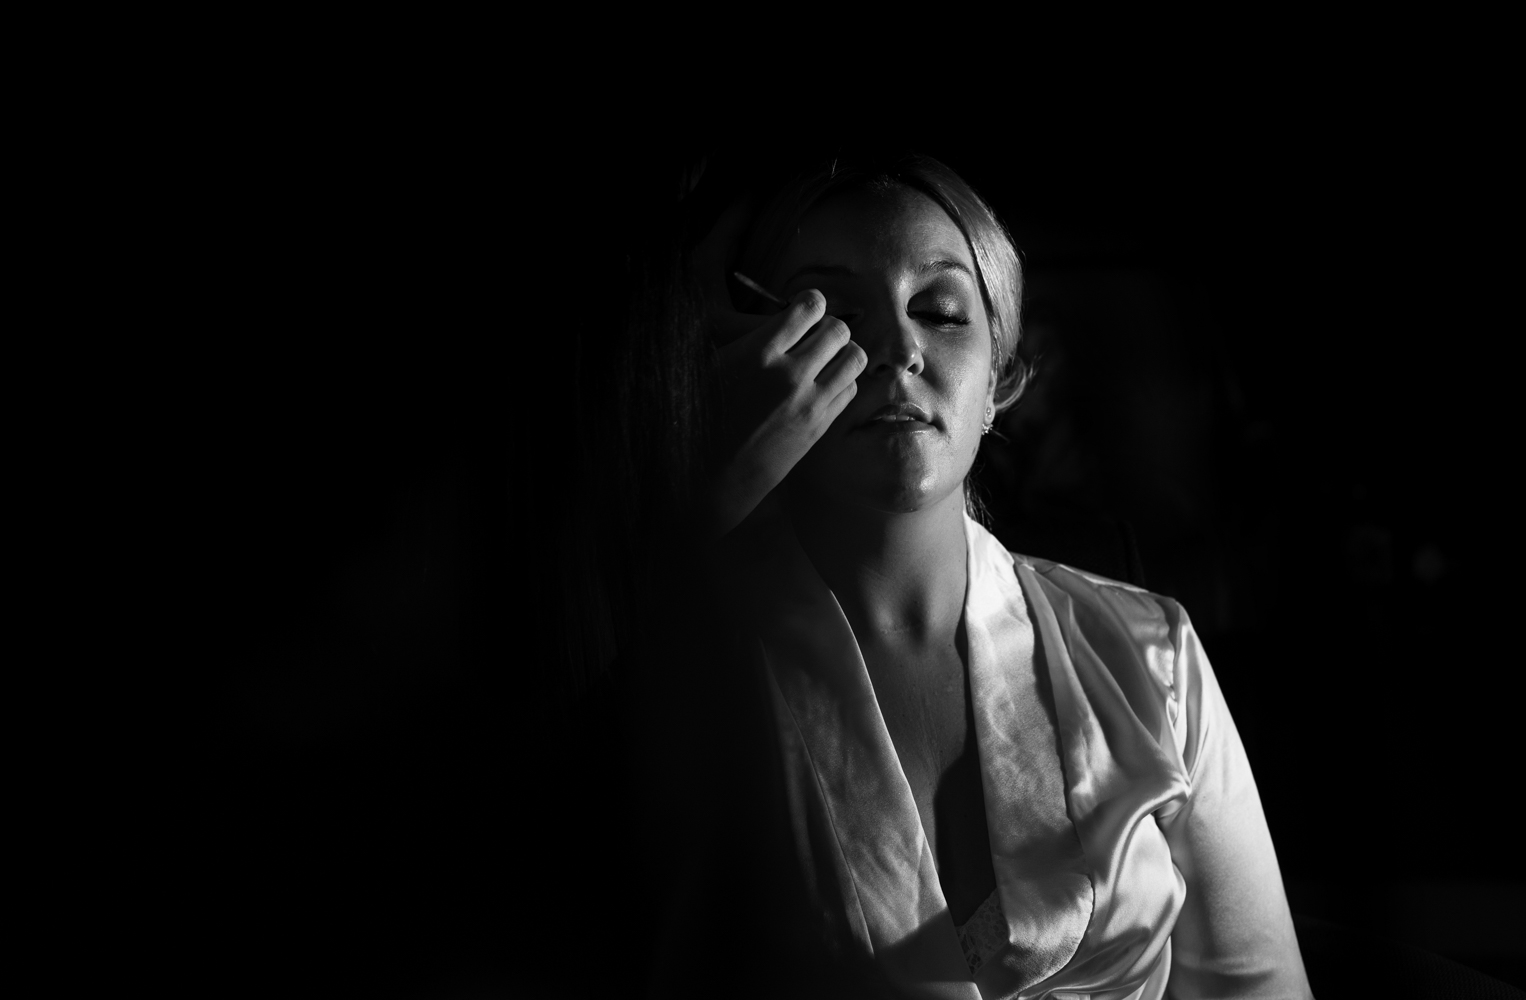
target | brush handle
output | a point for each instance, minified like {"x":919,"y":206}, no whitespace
{"x":770,"y":296}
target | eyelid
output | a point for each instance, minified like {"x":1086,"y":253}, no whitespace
{"x":943,"y":318}
{"x":941,"y":297}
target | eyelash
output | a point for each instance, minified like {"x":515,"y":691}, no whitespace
{"x":937,"y":318}
{"x":945,"y":319}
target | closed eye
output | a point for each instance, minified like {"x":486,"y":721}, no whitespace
{"x":938,"y":318}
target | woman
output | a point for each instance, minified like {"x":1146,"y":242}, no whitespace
{"x":1006,"y":777}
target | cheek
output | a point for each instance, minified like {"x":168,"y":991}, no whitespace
{"x":966,"y":381}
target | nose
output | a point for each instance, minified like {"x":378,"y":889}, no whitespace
{"x":893,"y":346}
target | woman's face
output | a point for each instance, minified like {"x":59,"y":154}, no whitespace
{"x":899,"y":272}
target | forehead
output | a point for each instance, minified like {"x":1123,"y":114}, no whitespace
{"x":886,"y":230}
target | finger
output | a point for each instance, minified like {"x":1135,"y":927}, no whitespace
{"x":821,"y":345}
{"x":839,"y":402}
{"x":804,"y":312}
{"x":771,"y":335}
{"x":845,"y":366}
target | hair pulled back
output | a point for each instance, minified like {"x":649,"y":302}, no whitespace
{"x":998,"y":267}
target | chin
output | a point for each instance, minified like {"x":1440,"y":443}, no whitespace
{"x":907,"y":496}
{"x":894,"y":481}
{"x":902,"y":494}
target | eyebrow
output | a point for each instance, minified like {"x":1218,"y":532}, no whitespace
{"x":944,"y":264}
{"x":936,"y":266}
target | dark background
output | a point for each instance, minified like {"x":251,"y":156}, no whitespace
{"x":1273,"y":383}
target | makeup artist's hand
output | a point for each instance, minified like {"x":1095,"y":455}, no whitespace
{"x":781,"y":385}
{"x":783,"y":379}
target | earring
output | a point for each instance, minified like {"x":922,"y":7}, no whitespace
{"x":990,"y":421}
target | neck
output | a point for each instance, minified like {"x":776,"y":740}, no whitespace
{"x":899,"y":576}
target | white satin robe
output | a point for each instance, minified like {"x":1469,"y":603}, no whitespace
{"x":1131,"y":854}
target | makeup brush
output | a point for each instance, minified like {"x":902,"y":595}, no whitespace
{"x":770,"y":296}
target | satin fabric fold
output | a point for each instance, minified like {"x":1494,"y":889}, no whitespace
{"x":1078,"y":691}
{"x":866,"y":823}
{"x":1118,"y":780}
{"x":1043,"y":879}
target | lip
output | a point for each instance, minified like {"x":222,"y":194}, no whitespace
{"x":900,"y":417}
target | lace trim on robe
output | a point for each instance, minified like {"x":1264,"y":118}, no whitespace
{"x":984,"y":934}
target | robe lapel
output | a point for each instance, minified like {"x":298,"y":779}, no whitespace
{"x":1069,"y":798}
{"x":1041,"y":872}
{"x":888,"y":880}
{"x":1117,"y":778}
